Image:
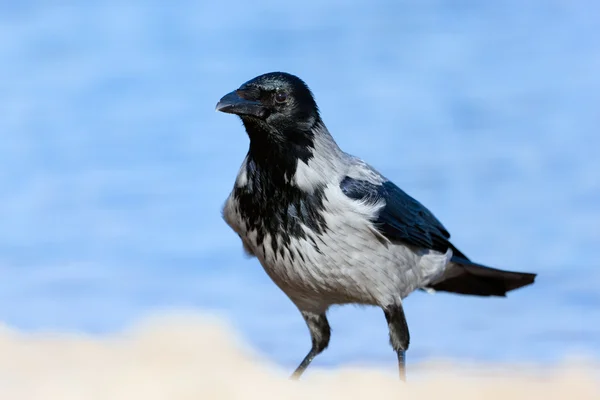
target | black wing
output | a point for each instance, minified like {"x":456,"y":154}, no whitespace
{"x":403,"y":218}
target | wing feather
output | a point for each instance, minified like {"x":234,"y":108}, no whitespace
{"x":402,"y":218}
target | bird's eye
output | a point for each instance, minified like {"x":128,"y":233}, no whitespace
{"x":280,"y":97}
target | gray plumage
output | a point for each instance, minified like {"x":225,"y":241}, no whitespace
{"x":328,"y":228}
{"x":351,"y":262}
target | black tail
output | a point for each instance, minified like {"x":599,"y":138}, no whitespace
{"x":466,"y":277}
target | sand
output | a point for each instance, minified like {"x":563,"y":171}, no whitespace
{"x":185,"y":356}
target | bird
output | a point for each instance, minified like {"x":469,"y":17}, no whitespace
{"x":328,"y":228}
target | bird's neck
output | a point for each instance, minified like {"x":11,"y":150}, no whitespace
{"x":283,"y":154}
{"x":277,"y":152}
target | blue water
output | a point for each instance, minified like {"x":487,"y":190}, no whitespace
{"x":114,"y":164}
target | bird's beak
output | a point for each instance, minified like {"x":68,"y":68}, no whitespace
{"x":233,"y":103}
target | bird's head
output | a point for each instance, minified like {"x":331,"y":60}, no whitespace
{"x":276,"y":107}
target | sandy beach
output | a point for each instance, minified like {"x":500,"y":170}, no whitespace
{"x":188,"y":356}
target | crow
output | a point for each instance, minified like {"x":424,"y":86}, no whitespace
{"x":328,"y":228}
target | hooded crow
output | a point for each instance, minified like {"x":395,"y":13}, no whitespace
{"x":328,"y":228}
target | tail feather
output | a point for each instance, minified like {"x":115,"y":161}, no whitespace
{"x":466,"y":277}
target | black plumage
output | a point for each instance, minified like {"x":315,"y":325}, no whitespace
{"x":402,"y":218}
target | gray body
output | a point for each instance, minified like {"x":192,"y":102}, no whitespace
{"x":352,"y":262}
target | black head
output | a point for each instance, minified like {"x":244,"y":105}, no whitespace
{"x":277,"y":107}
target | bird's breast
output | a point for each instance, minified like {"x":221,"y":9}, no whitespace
{"x":322,"y":248}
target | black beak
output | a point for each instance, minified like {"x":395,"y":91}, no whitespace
{"x":233,"y":103}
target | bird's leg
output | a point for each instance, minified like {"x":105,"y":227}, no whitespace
{"x":399,"y":335}
{"x":319,"y":333}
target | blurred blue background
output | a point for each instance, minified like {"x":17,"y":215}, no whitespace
{"x":114,"y":164}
